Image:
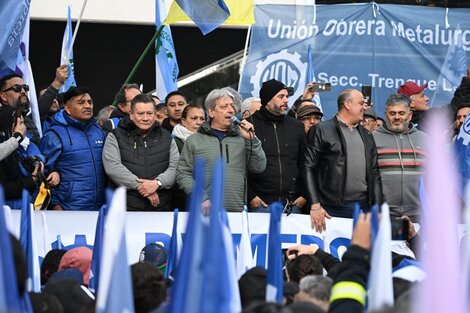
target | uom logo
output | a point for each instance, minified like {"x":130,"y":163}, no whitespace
{"x":283,"y":66}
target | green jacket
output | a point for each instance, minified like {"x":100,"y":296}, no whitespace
{"x":238,"y":154}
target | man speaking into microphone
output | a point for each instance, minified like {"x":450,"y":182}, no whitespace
{"x":222,"y":136}
{"x":283,"y":140}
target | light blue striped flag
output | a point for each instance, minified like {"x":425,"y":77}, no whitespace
{"x":207,"y":15}
{"x":14,"y":15}
{"x":165,"y":57}
{"x":66,"y":46}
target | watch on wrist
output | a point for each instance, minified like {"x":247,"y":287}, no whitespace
{"x":159,"y":183}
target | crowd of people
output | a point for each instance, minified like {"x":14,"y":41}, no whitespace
{"x":271,"y":153}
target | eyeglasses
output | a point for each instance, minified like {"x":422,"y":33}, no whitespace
{"x":17,"y":88}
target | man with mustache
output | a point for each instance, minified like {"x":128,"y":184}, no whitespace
{"x":283,"y":140}
{"x":73,"y":146}
{"x":401,"y":155}
{"x":14,"y":93}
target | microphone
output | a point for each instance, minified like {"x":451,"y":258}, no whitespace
{"x":237,"y":122}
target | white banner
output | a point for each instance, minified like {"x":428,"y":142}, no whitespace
{"x":78,"y":229}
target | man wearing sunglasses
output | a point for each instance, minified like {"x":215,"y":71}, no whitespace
{"x":14,"y":93}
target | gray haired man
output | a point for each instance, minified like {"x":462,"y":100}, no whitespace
{"x":218,"y":137}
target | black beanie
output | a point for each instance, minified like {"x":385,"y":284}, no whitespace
{"x":269,"y":89}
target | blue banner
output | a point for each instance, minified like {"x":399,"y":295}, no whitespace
{"x":359,"y":44}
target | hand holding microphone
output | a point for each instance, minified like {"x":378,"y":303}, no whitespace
{"x":246,"y":128}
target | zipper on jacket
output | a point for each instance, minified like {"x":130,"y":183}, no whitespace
{"x":146,"y":156}
{"x":94,"y":168}
{"x":226,"y":152}
{"x":279,"y":160}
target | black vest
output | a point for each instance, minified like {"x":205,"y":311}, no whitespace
{"x":146,"y":158}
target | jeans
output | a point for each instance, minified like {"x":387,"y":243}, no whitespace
{"x":347,"y":209}
{"x":262,"y":209}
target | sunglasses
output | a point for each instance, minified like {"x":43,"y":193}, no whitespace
{"x":17,"y":88}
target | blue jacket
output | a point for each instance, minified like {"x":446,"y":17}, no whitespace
{"x":74,"y":149}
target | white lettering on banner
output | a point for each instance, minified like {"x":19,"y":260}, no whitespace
{"x":277,"y":30}
{"x":301,"y":30}
{"x":436,"y":36}
{"x":360,"y":28}
{"x":78,"y":229}
{"x":375,"y":81}
{"x":19,"y":25}
{"x":343,"y":81}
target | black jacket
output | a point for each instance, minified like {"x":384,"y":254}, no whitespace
{"x":354,"y":268}
{"x":146,"y":158}
{"x":325,"y":164}
{"x":283,"y":140}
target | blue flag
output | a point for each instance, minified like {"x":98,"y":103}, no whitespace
{"x":57,"y":244}
{"x":98,"y":249}
{"x":66,"y":46}
{"x":207,"y":15}
{"x":311,"y":75}
{"x":172,"y":258}
{"x":29,"y":245}
{"x":13,"y":14}
{"x":115,"y":283}
{"x":274,"y":279}
{"x":186,"y":296}
{"x":374,"y":221}
{"x":165,"y":57}
{"x":9,"y":297}
{"x":462,"y":152}
{"x":219,"y":288}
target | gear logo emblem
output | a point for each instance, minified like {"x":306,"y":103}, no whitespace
{"x":283,"y":66}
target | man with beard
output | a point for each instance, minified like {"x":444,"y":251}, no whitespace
{"x":283,"y":140}
{"x":13,"y":92}
{"x":400,"y":148}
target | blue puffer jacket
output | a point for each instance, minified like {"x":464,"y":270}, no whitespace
{"x":74,"y":149}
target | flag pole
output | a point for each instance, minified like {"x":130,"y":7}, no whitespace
{"x":75,"y":31}
{"x":245,"y":51}
{"x":142,"y":56}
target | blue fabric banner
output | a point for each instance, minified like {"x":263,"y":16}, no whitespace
{"x":14,"y":15}
{"x":359,"y":44}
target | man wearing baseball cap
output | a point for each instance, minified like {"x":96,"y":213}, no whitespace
{"x":283,"y":140}
{"x":419,"y":101}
